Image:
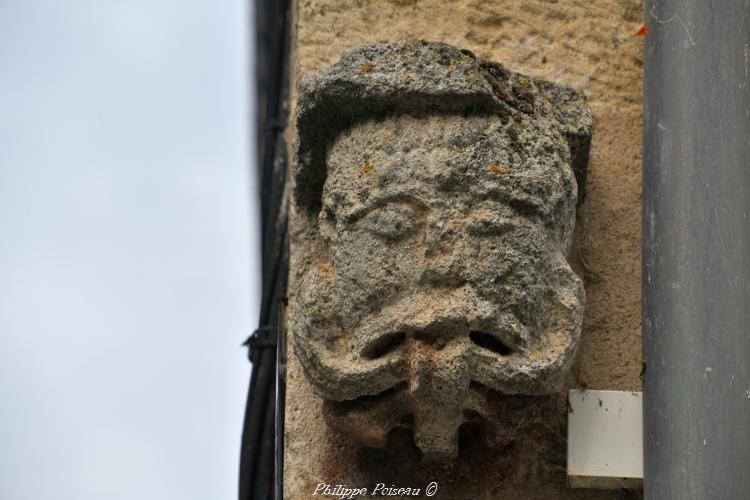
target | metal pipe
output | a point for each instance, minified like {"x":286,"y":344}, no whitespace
{"x":696,"y":250}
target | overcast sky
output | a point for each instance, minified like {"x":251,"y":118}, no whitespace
{"x":128,"y":268}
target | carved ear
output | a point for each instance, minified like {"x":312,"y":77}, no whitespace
{"x":564,"y":105}
{"x":568,"y":107}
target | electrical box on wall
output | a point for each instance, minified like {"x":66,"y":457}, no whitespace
{"x":605,"y":439}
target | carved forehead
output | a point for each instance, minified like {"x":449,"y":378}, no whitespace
{"x":449,"y":156}
{"x":383,"y":79}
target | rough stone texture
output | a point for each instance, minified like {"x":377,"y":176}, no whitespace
{"x":592,"y":47}
{"x":448,"y":207}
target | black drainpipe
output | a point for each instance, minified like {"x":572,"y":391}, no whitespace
{"x":260,"y":470}
{"x":696,"y":250}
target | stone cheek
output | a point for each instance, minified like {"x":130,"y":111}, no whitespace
{"x":442,"y":289}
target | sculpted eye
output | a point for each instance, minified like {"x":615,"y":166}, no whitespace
{"x":391,"y":221}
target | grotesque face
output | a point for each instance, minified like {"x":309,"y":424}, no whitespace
{"x":444,"y":281}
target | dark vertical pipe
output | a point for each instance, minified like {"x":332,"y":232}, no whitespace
{"x":271,"y":74}
{"x":696,"y":250}
{"x":280,"y":395}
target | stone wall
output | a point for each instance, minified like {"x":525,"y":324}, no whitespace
{"x":592,"y":46}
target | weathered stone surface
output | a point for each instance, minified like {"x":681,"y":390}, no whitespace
{"x":436,"y":194}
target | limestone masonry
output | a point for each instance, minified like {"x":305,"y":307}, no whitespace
{"x":435,"y":197}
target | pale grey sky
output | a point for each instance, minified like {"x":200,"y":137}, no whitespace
{"x":128,"y":266}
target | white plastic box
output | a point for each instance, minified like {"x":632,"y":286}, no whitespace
{"x":605,"y":439}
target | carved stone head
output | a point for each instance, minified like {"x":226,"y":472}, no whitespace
{"x":434,"y":206}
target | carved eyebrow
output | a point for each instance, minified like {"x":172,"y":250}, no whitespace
{"x":525,"y":205}
{"x":381,"y":201}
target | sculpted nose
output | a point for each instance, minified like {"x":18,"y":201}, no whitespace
{"x":440,"y":237}
{"x":439,"y":385}
{"x":443,"y":260}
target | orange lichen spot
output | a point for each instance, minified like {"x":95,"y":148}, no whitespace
{"x":499,"y":169}
{"x":530,"y":178}
{"x":643,"y":31}
{"x":367,"y":168}
{"x":325,"y":268}
{"x":367,"y":67}
{"x":536,"y":354}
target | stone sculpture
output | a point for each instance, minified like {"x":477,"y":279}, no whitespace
{"x":434,"y":200}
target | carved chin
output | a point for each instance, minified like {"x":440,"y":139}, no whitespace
{"x":493,"y":419}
